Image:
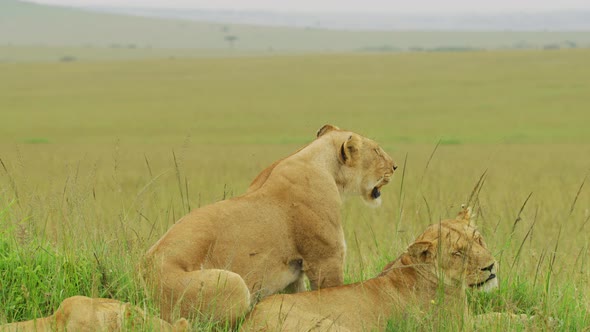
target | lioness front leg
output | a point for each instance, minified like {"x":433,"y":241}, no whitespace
{"x":325,"y":273}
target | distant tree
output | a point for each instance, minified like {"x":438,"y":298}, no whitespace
{"x":231,"y":39}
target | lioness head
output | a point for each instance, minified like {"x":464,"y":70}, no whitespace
{"x":365,"y":167}
{"x":456,"y":251}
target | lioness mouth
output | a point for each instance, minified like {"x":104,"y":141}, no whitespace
{"x":479,"y":284}
{"x":375,"y":193}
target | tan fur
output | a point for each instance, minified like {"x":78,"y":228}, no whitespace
{"x":452,"y":251}
{"x":84,"y":314}
{"x":214,"y":261}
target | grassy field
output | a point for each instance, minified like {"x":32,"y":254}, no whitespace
{"x":98,"y":159}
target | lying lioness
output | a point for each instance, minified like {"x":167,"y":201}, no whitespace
{"x":218,"y":258}
{"x":80,"y":313}
{"x":452,"y":252}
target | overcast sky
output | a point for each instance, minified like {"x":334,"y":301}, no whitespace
{"x":416,"y":6}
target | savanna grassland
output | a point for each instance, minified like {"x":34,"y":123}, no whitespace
{"x":99,"y":159}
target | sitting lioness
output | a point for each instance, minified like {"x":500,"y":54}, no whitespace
{"x":84,"y":314}
{"x":452,"y":253}
{"x":214,"y":261}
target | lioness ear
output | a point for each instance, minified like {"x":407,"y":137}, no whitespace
{"x":349,"y":150}
{"x":325,"y":129}
{"x":422,"y":250}
{"x":466,"y":215}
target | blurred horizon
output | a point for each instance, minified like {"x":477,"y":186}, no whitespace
{"x":376,"y":15}
{"x":340,"y":6}
{"x":36,"y":32}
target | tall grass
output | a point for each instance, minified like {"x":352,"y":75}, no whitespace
{"x":36,"y":275}
{"x":85,"y":233}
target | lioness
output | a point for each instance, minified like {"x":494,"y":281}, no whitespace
{"x":217,"y":259}
{"x":80,"y":313}
{"x":452,"y":252}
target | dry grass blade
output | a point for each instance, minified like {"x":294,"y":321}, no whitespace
{"x":577,"y":195}
{"x":528,"y":233}
{"x":188,"y":203}
{"x":427,"y":209}
{"x":548,"y":278}
{"x":584,"y":224}
{"x":476,"y":190}
{"x":401,"y":193}
{"x":179,"y":180}
{"x":147,"y":163}
{"x":12,"y":182}
{"x":361,"y":260}
{"x":538,"y":268}
{"x":428,"y":163}
{"x":518,"y":218}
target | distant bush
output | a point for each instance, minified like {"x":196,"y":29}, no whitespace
{"x":67,"y":58}
{"x":383,"y":48}
{"x":570,"y":44}
{"x":454,"y":49}
{"x":231,"y":39}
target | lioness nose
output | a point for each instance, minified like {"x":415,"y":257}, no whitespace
{"x":394,"y":167}
{"x":489,"y":268}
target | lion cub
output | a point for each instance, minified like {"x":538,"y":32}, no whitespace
{"x":217,"y":259}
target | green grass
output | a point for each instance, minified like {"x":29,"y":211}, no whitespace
{"x":37,"y":275}
{"x":132,"y":146}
